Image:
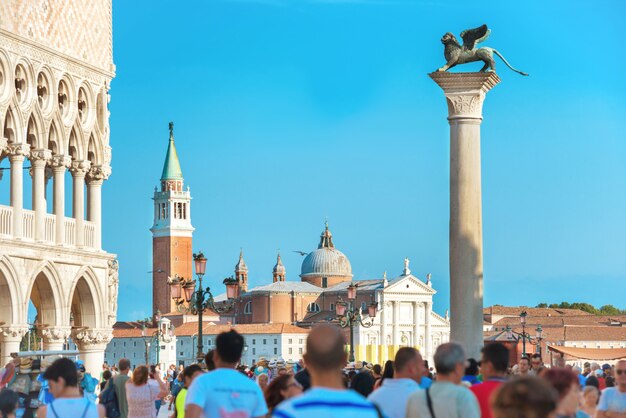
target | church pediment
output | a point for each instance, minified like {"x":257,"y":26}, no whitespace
{"x":409,"y":284}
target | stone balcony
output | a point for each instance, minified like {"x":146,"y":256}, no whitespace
{"x":28,"y":229}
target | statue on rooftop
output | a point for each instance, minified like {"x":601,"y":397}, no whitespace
{"x":456,"y":54}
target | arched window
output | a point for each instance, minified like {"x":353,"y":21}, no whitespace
{"x":332,"y":307}
{"x":247,"y":309}
{"x":313,"y":307}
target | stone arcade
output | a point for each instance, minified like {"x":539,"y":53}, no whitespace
{"x":55,"y":68}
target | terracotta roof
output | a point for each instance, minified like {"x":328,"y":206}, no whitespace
{"x":516,"y":310}
{"x":126,"y":330}
{"x":592,"y":320}
{"x":582,"y":333}
{"x":191,"y":328}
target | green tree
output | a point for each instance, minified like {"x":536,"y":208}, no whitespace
{"x":542,"y":305}
{"x":610,"y":310}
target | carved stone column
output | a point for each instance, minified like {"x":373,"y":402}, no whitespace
{"x":10,"y":339}
{"x":91,"y":343}
{"x":416,"y":327}
{"x":79,"y":169}
{"x":465,"y":93}
{"x":396,"y":322}
{"x":59,"y":164}
{"x":38,"y":160}
{"x":428,"y":339}
{"x":16,"y":154}
{"x":95,"y":177}
{"x":55,"y":338}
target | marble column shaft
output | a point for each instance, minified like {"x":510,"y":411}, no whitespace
{"x":38,"y":160}
{"x":79,"y":170}
{"x":465,"y":93}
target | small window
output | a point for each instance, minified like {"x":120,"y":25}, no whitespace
{"x":313,"y":307}
{"x":300,"y":350}
{"x":332,"y":307}
{"x":290,"y":350}
{"x":264,"y":341}
{"x":275,"y":350}
{"x":363,"y":306}
{"x":182,"y":354}
{"x":301,"y":340}
{"x":275,"y":340}
{"x":324,"y":282}
{"x":247,"y":309}
{"x":134,"y":343}
{"x":253,"y":350}
{"x":291,"y":341}
{"x":254,"y":341}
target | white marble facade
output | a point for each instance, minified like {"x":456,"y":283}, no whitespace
{"x":54,"y":120}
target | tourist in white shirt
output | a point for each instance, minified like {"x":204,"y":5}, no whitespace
{"x":225,"y":392}
{"x":328,"y":398}
{"x":394,"y":393}
{"x":613,"y":400}
{"x":448,"y":398}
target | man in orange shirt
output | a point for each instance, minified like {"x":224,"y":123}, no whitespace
{"x":494,"y":364}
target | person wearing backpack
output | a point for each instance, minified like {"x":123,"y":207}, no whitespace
{"x":119,"y":385}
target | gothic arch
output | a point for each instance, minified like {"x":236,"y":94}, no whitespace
{"x":86,"y":300}
{"x":13,"y":125}
{"x":76,"y":144}
{"x":36,"y":131}
{"x":94,"y":150}
{"x":10,"y":293}
{"x":6,"y":70}
{"x":56,"y":137}
{"x":47,"y":90}
{"x":44,"y":291}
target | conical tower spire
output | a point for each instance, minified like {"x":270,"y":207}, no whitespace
{"x":326,"y":239}
{"x":279,"y":270}
{"x":241,"y":272}
{"x":171,"y":168}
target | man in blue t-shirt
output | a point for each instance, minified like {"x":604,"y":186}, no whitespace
{"x":225,"y":392}
{"x":325,"y":356}
{"x":613,"y":400}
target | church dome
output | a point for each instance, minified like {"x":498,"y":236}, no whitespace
{"x":326,"y":260}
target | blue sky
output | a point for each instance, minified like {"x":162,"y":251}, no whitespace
{"x":291,"y":111}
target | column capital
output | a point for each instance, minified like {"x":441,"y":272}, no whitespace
{"x":3,"y":144}
{"x":60,"y":162}
{"x":40,"y":157}
{"x":92,"y":337}
{"x":98,"y":173}
{"x":465,"y":92}
{"x":14,"y":331}
{"x":80,"y":167}
{"x":15,"y":151}
{"x":52,"y":334}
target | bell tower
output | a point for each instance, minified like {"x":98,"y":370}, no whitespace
{"x":171,"y":231}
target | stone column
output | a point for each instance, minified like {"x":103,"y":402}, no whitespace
{"x":91,"y":343}
{"x":428,"y":346}
{"x":79,"y":169}
{"x":55,"y":338}
{"x":416,"y":327}
{"x":16,"y":157}
{"x":38,"y":160}
{"x":465,"y":93}
{"x":396,"y":321}
{"x":383,"y":332}
{"x":11,"y":337}
{"x":95,"y":177}
{"x":59,"y":164}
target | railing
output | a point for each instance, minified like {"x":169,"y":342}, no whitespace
{"x":49,"y":228}
{"x":6,"y":221}
{"x":49,"y":223}
{"x":90,"y":232}
{"x":29,"y":224}
{"x":70,"y":231}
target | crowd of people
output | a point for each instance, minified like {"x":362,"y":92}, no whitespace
{"x":456,"y":387}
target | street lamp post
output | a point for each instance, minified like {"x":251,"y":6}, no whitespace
{"x":349,"y":316}
{"x":157,"y":337}
{"x":194,"y":300}
{"x":524,"y":336}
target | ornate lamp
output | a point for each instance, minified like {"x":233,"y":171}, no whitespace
{"x":200,"y":261}
{"x":232,"y":287}
{"x":340,"y":309}
{"x":352,"y":291}
{"x":509,"y":333}
{"x":372,"y":308}
{"x":522,"y":317}
{"x":189,"y":288}
{"x":176,"y":288}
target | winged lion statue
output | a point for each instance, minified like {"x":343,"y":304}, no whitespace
{"x":456,"y":54}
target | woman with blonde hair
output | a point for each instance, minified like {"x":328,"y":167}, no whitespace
{"x":591,"y":395}
{"x":142,"y":393}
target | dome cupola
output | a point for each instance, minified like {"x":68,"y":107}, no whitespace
{"x":326,"y":266}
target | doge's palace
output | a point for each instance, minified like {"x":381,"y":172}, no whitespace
{"x":56,"y":63}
